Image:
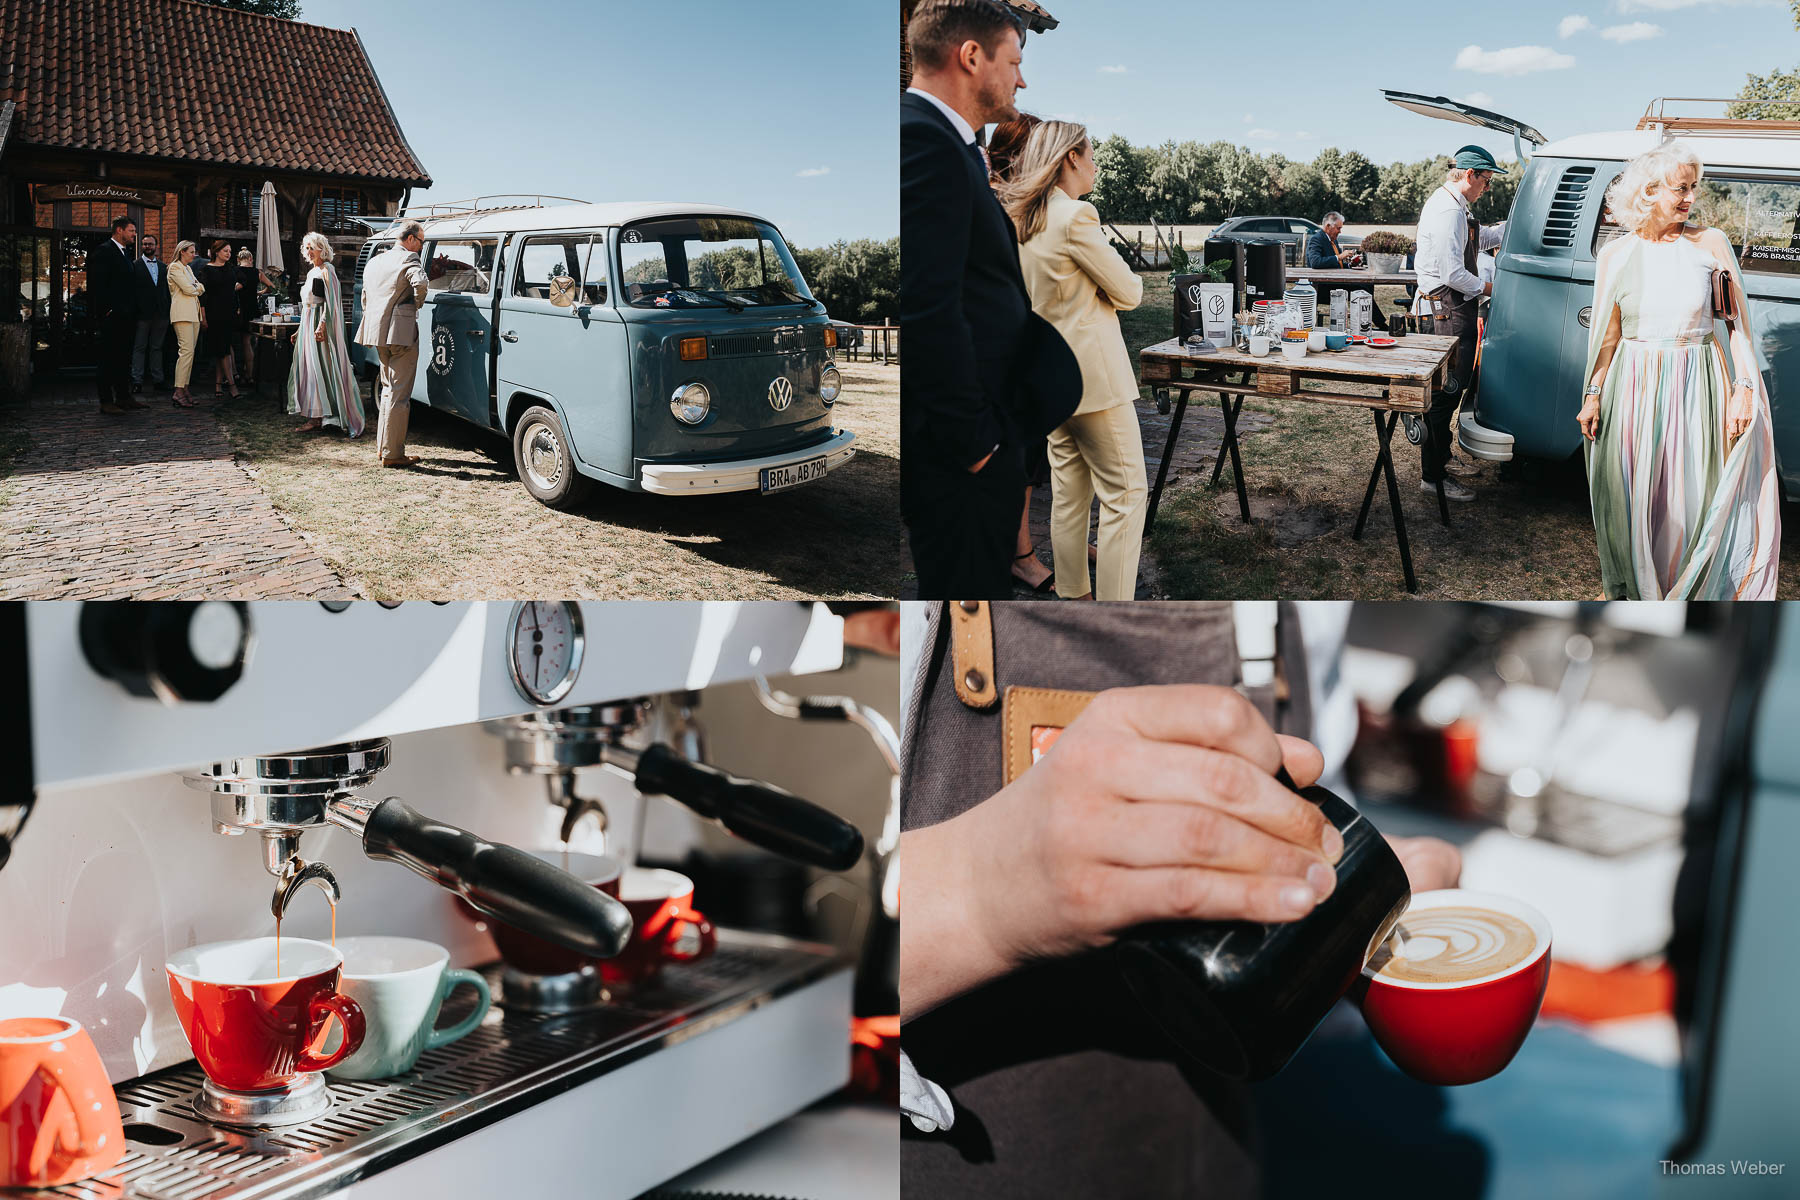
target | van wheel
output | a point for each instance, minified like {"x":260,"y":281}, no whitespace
{"x":545,"y":465}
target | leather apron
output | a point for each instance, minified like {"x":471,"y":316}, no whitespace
{"x":1456,"y":315}
{"x":1062,"y":1086}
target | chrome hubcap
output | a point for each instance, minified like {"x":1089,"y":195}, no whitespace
{"x":543,"y":456}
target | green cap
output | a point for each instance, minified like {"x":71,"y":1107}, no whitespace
{"x":1476,"y":159}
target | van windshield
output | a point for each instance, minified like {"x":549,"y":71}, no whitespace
{"x":700,"y":262}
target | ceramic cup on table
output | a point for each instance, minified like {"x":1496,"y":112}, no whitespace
{"x":1316,"y":340}
{"x":1293,"y":351}
{"x":1452,"y":1000}
{"x":1336,"y":340}
{"x":666,"y":928}
{"x":58,"y":1119}
{"x":253,"y":1027}
{"x":400,"y":984}
{"x":1259,"y":345}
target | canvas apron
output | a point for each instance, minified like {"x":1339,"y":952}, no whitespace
{"x":1061,"y":1085}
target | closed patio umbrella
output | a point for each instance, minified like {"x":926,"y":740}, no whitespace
{"x":268,"y":232}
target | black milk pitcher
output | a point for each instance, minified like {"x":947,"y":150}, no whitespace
{"x":1241,"y":996}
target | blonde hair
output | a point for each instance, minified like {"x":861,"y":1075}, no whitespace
{"x":315,"y":241}
{"x":1632,"y":196}
{"x":244,"y":255}
{"x":1026,"y":196}
{"x":183,"y":246}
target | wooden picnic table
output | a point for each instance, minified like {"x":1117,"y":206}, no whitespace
{"x":1405,"y":375}
{"x":1353,"y":276}
{"x":273,"y":360}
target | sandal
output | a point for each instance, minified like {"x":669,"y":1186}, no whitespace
{"x":1043,"y":585}
{"x":308,"y":427}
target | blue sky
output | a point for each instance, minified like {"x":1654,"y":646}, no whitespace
{"x":1298,"y":77}
{"x":785,"y":108}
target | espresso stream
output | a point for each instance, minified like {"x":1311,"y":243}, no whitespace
{"x":329,"y":901}
{"x":1451,"y":944}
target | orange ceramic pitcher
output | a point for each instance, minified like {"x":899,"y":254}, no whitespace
{"x":58,"y":1119}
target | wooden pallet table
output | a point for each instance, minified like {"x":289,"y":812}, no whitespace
{"x":1403,"y":376}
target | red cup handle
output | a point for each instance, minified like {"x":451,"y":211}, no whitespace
{"x":80,"y":1134}
{"x":684,"y":920}
{"x":322,"y":1007}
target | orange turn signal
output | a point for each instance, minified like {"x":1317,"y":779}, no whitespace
{"x":830,"y":338}
{"x":693,"y":349}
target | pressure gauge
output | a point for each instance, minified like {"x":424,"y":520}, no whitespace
{"x":544,"y":643}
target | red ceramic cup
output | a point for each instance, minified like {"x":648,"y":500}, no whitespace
{"x":532,"y":954}
{"x":58,"y":1119}
{"x":665,"y":926}
{"x":253,"y":1030}
{"x":1466,"y":1031}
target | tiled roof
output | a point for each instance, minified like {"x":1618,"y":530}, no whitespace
{"x":184,"y":80}
{"x":1035,"y":16}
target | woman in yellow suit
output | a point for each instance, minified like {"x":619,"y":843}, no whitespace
{"x":184,"y":318}
{"x":1079,"y":284}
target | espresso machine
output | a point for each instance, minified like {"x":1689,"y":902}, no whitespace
{"x":284,"y":714}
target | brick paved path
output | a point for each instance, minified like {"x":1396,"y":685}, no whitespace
{"x":148,"y":505}
{"x":1202,"y":431}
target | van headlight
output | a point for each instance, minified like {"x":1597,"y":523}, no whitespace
{"x":690,"y":403}
{"x":830,"y":384}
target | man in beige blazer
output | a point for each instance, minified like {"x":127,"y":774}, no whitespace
{"x":393,"y":288}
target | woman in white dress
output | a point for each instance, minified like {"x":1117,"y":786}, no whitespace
{"x":1680,"y":455}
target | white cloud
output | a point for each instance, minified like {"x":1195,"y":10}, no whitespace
{"x":1249,"y":119}
{"x":1572,"y":24}
{"x":1637,"y":31}
{"x":1303,"y":135}
{"x":1513,"y":60}
{"x":1117,"y":69}
{"x":1478,"y":99}
{"x":1263,"y":135}
{"x":809,"y":172}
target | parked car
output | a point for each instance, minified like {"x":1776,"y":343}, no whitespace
{"x":669,"y":348}
{"x":1534,"y":346}
{"x":1293,"y":231}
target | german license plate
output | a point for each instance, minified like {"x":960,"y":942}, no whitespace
{"x":779,"y":479}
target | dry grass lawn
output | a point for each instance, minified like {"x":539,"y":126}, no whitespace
{"x":462,"y":527}
{"x":1527,"y":536}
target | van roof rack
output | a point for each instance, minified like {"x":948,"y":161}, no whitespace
{"x":1657,"y":117}
{"x":481,"y":206}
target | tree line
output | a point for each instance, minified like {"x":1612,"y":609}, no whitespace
{"x":857,"y":281}
{"x":1194,"y":182}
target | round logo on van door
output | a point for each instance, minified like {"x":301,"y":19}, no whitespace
{"x":781,"y":393}
{"x":443,"y":350}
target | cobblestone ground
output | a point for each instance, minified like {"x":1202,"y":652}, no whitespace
{"x":1202,"y":432}
{"x":148,"y":505}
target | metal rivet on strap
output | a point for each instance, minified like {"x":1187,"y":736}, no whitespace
{"x":970,"y":606}
{"x":974,"y":681}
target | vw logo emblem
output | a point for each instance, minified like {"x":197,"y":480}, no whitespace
{"x":781,"y":393}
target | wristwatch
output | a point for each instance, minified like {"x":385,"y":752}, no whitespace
{"x":1593,"y":389}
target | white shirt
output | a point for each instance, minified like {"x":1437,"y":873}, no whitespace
{"x":1443,"y":234}
{"x":154,"y":266}
{"x":963,"y":127}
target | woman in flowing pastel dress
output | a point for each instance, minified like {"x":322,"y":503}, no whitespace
{"x":1680,"y":456}
{"x":321,"y":385}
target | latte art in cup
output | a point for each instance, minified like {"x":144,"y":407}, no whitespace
{"x":1453,"y":944}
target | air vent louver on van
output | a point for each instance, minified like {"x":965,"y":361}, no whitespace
{"x":1565,"y":208}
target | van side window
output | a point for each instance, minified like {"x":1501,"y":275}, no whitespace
{"x":460,"y":265}
{"x":543,"y":258}
{"x":1761,"y":218}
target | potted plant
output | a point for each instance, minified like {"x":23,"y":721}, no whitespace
{"x":1386,"y":250}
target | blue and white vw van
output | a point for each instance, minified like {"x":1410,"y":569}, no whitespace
{"x":668,"y":348}
{"x":1534,"y":345}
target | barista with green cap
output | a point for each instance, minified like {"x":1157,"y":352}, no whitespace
{"x":1450,"y":287}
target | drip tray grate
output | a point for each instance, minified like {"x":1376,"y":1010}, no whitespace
{"x":506,"y":1064}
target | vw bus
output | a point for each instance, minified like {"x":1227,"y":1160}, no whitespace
{"x":668,"y":348}
{"x":1534,"y":345}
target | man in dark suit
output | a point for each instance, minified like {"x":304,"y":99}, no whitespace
{"x":115,"y":307}
{"x":963,"y":305}
{"x":150,"y":280}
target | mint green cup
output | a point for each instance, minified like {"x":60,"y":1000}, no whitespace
{"x":400,"y":984}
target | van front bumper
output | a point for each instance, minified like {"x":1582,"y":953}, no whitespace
{"x":740,"y":475}
{"x":1489,"y":445}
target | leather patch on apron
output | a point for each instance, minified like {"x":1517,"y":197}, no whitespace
{"x":1030,"y":722}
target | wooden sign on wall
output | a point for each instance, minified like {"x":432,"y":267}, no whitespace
{"x":102,"y":193}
